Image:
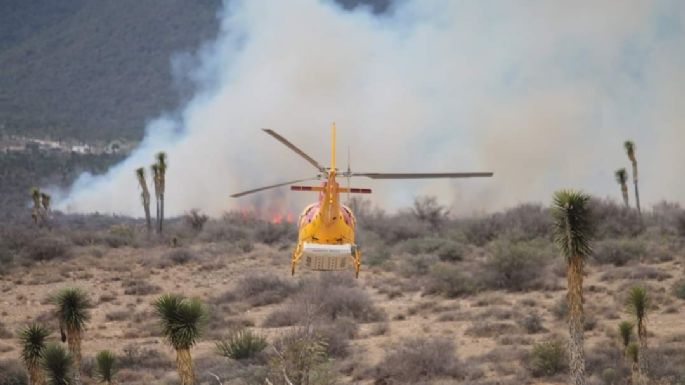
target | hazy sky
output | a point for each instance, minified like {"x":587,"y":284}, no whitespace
{"x":541,"y":93}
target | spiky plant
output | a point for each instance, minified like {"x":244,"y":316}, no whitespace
{"x":72,"y":306}
{"x":622,"y":179}
{"x":625,"y":330}
{"x":36,"y":211}
{"x":182,"y":320}
{"x":633,"y":354}
{"x":33,"y":339}
{"x":105,"y":367}
{"x":161,"y":166}
{"x":638,"y":303}
{"x":57,"y":365}
{"x":144,"y":196}
{"x":156,"y":180}
{"x":572,"y":231}
{"x":630,"y":151}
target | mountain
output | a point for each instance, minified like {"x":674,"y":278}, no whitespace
{"x":97,"y":70}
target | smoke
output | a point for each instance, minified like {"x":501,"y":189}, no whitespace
{"x":541,"y":93}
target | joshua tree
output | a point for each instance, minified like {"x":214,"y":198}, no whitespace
{"x":625,"y":330}
{"x":571,"y":234}
{"x":155,"y":180}
{"x":633,"y":353}
{"x":182,"y":320}
{"x":72,"y":312}
{"x":144,"y":196}
{"x":630,"y":151}
{"x":622,"y":179}
{"x":105,"y":367}
{"x":57,"y":365}
{"x":638,"y":304}
{"x":161,"y":168}
{"x":37,"y":210}
{"x":33,"y":339}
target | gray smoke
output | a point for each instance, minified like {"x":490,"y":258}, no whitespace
{"x":541,"y":93}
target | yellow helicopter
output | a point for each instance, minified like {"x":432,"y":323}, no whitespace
{"x":326,"y":228}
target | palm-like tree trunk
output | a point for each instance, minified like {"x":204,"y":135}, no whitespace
{"x":624,"y":190}
{"x":637,"y":191}
{"x":642,"y":342}
{"x":74,"y":343}
{"x":36,"y":375}
{"x":574,"y":277}
{"x":184,"y":365}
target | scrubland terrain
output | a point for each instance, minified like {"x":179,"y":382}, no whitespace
{"x":438,"y":301}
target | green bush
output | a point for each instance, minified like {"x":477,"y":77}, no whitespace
{"x":12,"y":373}
{"x":47,"y":248}
{"x":548,"y":358}
{"x":445,"y":249}
{"x":679,"y":289}
{"x":450,"y":281}
{"x":241,"y":344}
{"x":515,"y":265}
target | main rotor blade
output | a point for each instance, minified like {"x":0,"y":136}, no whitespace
{"x":385,"y":175}
{"x":295,"y":148}
{"x":272,"y":186}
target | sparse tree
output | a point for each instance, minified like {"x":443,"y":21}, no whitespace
{"x":33,"y":339}
{"x":72,"y":312}
{"x":427,"y":209}
{"x":57,"y":364}
{"x":638,"y":305}
{"x":182,"y":320}
{"x":105,"y":367}
{"x":144,"y":196}
{"x":622,"y":179}
{"x":572,"y":233}
{"x":161,"y":167}
{"x":630,"y":151}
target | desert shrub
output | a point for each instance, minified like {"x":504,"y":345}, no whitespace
{"x":450,"y":281}
{"x":669,"y":370}
{"x":376,"y":256}
{"x":139,"y":287}
{"x":490,"y":329}
{"x":179,"y":256}
{"x":337,"y":334}
{"x":120,"y":235}
{"x":523,"y":222}
{"x":231,"y":228}
{"x":47,"y":248}
{"x":264,"y":289}
{"x":515,"y":265}
{"x":444,"y":249}
{"x":134,"y":357}
{"x":241,"y":344}
{"x":532,"y":323}
{"x":679,"y":289}
{"x":618,"y":251}
{"x":303,"y":358}
{"x":548,"y":358}
{"x":680,"y":224}
{"x":613,"y":220}
{"x":282,"y":317}
{"x":196,"y":220}
{"x":604,"y":356}
{"x":418,"y":359}
{"x":12,"y":373}
{"x":416,"y":265}
{"x":117,"y":315}
{"x":273,"y":233}
{"x":401,"y":226}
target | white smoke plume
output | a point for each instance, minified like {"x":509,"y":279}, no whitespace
{"x":541,"y":93}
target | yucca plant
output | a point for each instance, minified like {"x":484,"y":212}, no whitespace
{"x":622,"y":179}
{"x":572,"y":231}
{"x":633,"y":354}
{"x":105,"y":367}
{"x":161,"y":174}
{"x":638,"y":303}
{"x":241,"y":344}
{"x":625,"y":330}
{"x":144,"y":196}
{"x":182,"y":320}
{"x":72,"y":306}
{"x":37,"y":210}
{"x":33,"y":339}
{"x":630,"y":151}
{"x":57,"y":365}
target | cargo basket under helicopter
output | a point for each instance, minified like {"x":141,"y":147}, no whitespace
{"x":326,"y":257}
